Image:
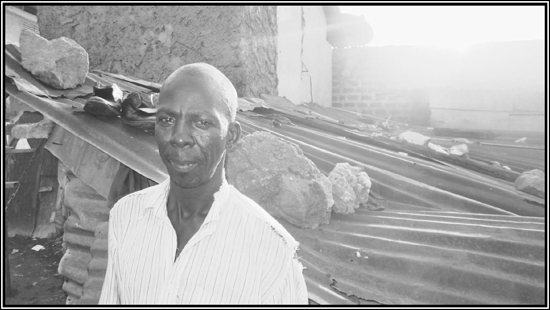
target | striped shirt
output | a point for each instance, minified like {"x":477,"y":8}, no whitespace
{"x":239,"y":255}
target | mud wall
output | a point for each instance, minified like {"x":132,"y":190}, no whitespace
{"x":150,"y":42}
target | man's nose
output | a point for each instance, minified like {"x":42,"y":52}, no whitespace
{"x":181,"y":136}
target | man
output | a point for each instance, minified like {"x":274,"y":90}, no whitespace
{"x":194,"y":239}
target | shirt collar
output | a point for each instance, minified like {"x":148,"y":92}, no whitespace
{"x":157,"y":201}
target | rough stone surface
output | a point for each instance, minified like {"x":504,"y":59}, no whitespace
{"x":276,"y":174}
{"x":531,"y":182}
{"x":150,"y":42}
{"x":350,"y":187}
{"x":40,"y":130}
{"x":60,"y":63}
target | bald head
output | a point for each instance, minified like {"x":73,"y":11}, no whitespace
{"x":205,"y":76}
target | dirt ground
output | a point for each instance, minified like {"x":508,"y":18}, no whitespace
{"x":34,"y":277}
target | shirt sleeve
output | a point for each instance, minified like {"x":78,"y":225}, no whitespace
{"x":293,"y":290}
{"x":109,"y":291}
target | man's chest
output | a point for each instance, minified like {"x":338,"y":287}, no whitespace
{"x":213,"y":266}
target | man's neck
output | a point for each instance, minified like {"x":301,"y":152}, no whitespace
{"x":188,"y":202}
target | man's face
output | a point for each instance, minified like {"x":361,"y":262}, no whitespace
{"x":191,"y":132}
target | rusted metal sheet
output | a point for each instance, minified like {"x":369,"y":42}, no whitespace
{"x":86,"y":212}
{"x":132,"y":147}
{"x":91,"y":290}
{"x":21,"y":202}
{"x":424,"y":257}
{"x":91,"y":165}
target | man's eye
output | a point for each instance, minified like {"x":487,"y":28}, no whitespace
{"x":165,"y":120}
{"x":204,"y":124}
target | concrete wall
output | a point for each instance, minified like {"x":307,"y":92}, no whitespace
{"x":150,"y":42}
{"x":493,"y":86}
{"x":304,"y":55}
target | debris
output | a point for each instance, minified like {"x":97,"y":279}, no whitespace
{"x":462,"y":140}
{"x":60,"y":63}
{"x":276,"y":174}
{"x":350,"y":187}
{"x":459,"y":150}
{"x":414,"y":138}
{"x":403,"y":153}
{"x":37,"y":247}
{"x":437,"y":148}
{"x":375,"y":203}
{"x":14,"y":251}
{"x":387,"y":126}
{"x":531,"y":182}
{"x":506,"y":167}
{"x":522,"y":140}
{"x":358,"y":254}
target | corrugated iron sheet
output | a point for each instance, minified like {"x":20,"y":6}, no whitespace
{"x":86,"y":211}
{"x":488,"y":194}
{"x":424,"y":257}
{"x":91,"y":165}
{"x":447,"y":236}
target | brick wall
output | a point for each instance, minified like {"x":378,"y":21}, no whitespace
{"x":378,"y":81}
{"x":440,"y":87}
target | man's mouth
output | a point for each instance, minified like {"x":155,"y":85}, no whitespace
{"x":183,"y":166}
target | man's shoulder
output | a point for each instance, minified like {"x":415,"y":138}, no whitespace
{"x":139,"y":199}
{"x":252,"y":208}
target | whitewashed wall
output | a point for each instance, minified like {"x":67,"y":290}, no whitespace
{"x":303,"y":54}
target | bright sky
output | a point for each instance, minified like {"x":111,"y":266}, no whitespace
{"x":450,"y":26}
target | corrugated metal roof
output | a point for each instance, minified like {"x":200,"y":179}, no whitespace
{"x":424,"y":257}
{"x":447,"y":236}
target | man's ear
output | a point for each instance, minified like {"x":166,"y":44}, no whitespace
{"x":233,"y":134}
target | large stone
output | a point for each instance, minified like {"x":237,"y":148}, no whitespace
{"x":60,"y":63}
{"x":531,"y":182}
{"x":350,"y":187}
{"x":276,"y":174}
